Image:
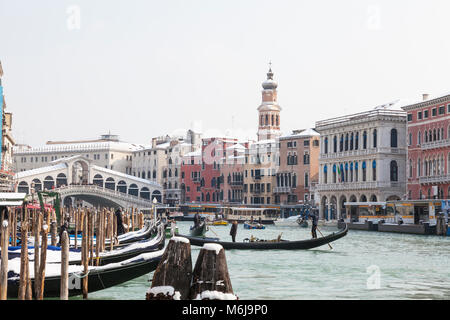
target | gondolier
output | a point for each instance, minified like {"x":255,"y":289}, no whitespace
{"x":315,"y":220}
{"x":233,"y":230}
{"x":196,"y":220}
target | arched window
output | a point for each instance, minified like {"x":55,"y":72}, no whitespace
{"x":37,"y":185}
{"x":341,"y":143}
{"x":364,"y":171}
{"x":61,"y":180}
{"x":394,"y":171}
{"x":375,"y":138}
{"x":133,"y":190}
{"x":273,"y":122}
{"x":261,"y":121}
{"x":49,"y":183}
{"x":154,"y":174}
{"x":365,"y":140}
{"x":346,"y":142}
{"x":334,"y":173}
{"x":374,"y":170}
{"x":335,"y":144}
{"x":278,"y":121}
{"x":208,"y":198}
{"x":98,"y":180}
{"x":394,"y":143}
{"x":122,"y":186}
{"x":351,"y":141}
{"x":110,"y":184}
{"x":326,"y":145}
{"x":145,"y":193}
{"x":419,"y":138}
{"x":23,"y":188}
{"x":410,"y":168}
{"x":157,"y":195}
{"x":267,"y":123}
{"x":325,"y":174}
{"x":419,"y":168}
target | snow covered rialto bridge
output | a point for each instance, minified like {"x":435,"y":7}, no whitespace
{"x":76,"y":178}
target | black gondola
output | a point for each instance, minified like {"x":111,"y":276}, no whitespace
{"x":198,"y":231}
{"x":99,"y":278}
{"x":268,"y":245}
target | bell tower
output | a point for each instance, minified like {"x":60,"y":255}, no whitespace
{"x":269,"y":110}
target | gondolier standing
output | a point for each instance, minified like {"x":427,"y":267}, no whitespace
{"x":233,"y":230}
{"x":196,"y":219}
{"x":314,"y":219}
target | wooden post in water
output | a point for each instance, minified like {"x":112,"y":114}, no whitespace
{"x":37,"y":229}
{"x":174,"y":270}
{"x":85,"y":252}
{"x":54,"y":229}
{"x":64,"y":292}
{"x":112,"y":229}
{"x":43,"y":260}
{"x":210,"y":279}
{"x":23,"y":261}
{"x":77,"y":223}
{"x":4,"y":261}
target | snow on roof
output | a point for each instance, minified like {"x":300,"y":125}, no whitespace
{"x":196,"y":153}
{"x":81,"y":147}
{"x":305,"y":133}
{"x":236,"y":146}
{"x":126,"y":176}
{"x":28,"y":173}
{"x":419,"y":100}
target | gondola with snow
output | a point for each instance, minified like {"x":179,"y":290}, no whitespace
{"x":99,"y":278}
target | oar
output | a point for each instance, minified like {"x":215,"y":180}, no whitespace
{"x":213,"y":232}
{"x":322,"y":236}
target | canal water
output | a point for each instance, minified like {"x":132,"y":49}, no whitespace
{"x":362,"y":265}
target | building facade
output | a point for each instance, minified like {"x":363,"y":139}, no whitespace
{"x":428,"y":161}
{"x":107,"y":152}
{"x":299,"y":168}
{"x":362,"y":159}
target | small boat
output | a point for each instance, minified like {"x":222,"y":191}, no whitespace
{"x":99,"y":278}
{"x":218,"y":223}
{"x":277,"y":244}
{"x":287,"y":222}
{"x":249,"y":225}
{"x":198,"y":231}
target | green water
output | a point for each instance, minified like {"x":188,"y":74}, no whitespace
{"x":410,"y":267}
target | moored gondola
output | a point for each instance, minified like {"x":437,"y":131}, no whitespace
{"x":99,"y":278}
{"x":272,"y":244}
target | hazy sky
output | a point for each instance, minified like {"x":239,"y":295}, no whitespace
{"x":146,"y":68}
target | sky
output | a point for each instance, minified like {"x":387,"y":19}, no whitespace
{"x":139,"y":69}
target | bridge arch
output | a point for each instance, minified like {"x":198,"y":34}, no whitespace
{"x":110,"y":184}
{"x":23,"y":187}
{"x":61,"y":180}
{"x":98,"y":180}
{"x":49,"y":183}
{"x":133,"y":190}
{"x":157,"y":194}
{"x":37,"y":185}
{"x":122,"y":186}
{"x":145,"y":193}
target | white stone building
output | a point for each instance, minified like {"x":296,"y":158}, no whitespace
{"x":362,"y":159}
{"x":107,"y":152}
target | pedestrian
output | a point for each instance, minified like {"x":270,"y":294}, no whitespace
{"x":233,"y":230}
{"x":314,"y":219}
{"x":120,"y":228}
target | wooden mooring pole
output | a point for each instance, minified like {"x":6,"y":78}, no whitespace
{"x":64,"y":289}
{"x":4,"y":260}
{"x":172,"y":277}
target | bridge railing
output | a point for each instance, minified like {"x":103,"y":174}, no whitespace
{"x":102,"y":190}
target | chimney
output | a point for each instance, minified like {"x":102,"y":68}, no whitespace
{"x":425,"y":96}
{"x":153,"y":142}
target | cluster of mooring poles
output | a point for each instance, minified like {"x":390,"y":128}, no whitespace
{"x":37,"y":224}
{"x":174,"y":278}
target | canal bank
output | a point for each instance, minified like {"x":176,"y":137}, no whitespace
{"x":408,"y":266}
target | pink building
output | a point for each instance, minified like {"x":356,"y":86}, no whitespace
{"x":428,"y":137}
{"x":191,"y":176}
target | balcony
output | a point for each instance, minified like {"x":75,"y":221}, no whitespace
{"x":256,"y":177}
{"x":236,"y":183}
{"x":435,"y":179}
{"x":361,"y":152}
{"x":282,"y":190}
{"x":435,"y":144}
{"x":358,"y":186}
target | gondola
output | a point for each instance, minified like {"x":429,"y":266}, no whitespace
{"x":271,"y":244}
{"x":198,"y":231}
{"x":99,"y":278}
